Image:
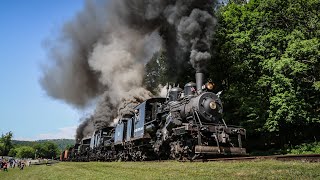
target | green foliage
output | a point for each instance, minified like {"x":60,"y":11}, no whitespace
{"x":267,"y":58}
{"x":161,"y":70}
{"x":18,"y":143}
{"x":156,"y":71}
{"x":305,"y":148}
{"x":42,"y":150}
{"x":1,"y":148}
{"x":5,"y":143}
{"x":46,"y":150}
{"x":25,"y":152}
{"x":316,"y":85}
{"x":12,"y":152}
{"x":61,"y":143}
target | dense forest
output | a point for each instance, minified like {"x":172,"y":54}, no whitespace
{"x":49,"y":148}
{"x":61,"y":143}
{"x":266,"y":62}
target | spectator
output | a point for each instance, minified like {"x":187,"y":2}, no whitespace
{"x":11,"y":163}
{"x":5,"y":166}
{"x":22,"y":165}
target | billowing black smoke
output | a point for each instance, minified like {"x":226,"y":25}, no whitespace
{"x":102,"y":52}
{"x":86,"y":127}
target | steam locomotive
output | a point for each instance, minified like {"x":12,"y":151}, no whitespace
{"x":188,"y":124}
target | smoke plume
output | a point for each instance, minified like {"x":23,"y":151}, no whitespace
{"x":102,"y":52}
{"x":85,"y":128}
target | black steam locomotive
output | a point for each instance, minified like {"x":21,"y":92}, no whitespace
{"x":186,"y":125}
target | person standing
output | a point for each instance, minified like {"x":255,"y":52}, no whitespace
{"x":22,"y":165}
{"x":5,"y":166}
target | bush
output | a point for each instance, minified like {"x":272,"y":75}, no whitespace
{"x":25,"y":152}
{"x":47,"y":150}
{"x":306,"y":148}
{"x":12,"y":152}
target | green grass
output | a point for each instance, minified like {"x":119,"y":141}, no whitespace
{"x":169,"y":170}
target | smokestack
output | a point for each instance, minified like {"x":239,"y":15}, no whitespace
{"x":199,"y":81}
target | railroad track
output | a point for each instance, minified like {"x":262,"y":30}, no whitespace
{"x":303,"y":157}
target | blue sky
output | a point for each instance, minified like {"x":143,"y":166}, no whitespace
{"x":24,"y":107}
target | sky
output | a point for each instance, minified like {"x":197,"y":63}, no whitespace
{"x":25,"y":109}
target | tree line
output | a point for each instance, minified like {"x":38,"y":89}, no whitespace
{"x":266,"y":60}
{"x":32,"y":150}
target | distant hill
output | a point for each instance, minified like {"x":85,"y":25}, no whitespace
{"x":61,"y":143}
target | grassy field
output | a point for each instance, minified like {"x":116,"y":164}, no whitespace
{"x":169,"y":170}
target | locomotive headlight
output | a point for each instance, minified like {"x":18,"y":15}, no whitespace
{"x":213,"y":105}
{"x":210,"y":86}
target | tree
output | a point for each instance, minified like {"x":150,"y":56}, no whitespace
{"x":12,"y":152}
{"x":156,"y":72}
{"x":46,"y":150}
{"x":161,"y":70}
{"x":1,"y":148}
{"x":25,"y":152}
{"x":268,"y":60}
{"x":6,"y":143}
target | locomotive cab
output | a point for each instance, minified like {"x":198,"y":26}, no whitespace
{"x":138,"y":126}
{"x":121,"y":129}
{"x":85,"y":144}
{"x":75,"y":150}
{"x":107,"y":136}
{"x":144,"y":122}
{"x":99,"y":137}
{"x":76,"y":147}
